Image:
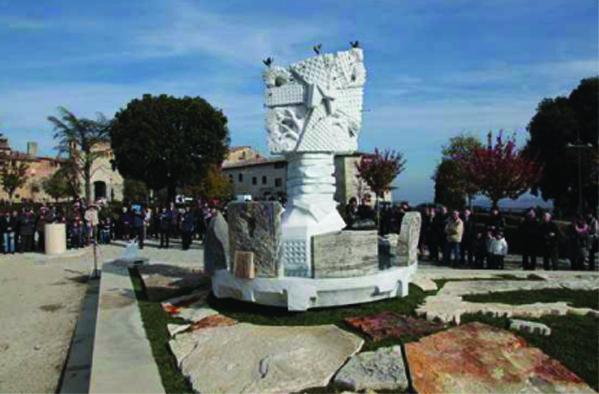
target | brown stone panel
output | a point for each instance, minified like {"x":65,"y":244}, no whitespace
{"x":477,"y":358}
{"x":244,"y":265}
{"x":345,"y":254}
{"x":256,"y":227}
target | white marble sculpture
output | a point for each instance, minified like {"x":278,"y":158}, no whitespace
{"x":314,"y":110}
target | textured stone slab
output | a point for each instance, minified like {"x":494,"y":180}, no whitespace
{"x":383,"y":369}
{"x":262,"y":359}
{"x":165,"y":281}
{"x":244,"y":265}
{"x":207,"y":322}
{"x":407,"y":242}
{"x":256,"y":227}
{"x":476,"y":358}
{"x":216,"y":245}
{"x":530,"y":327}
{"x":393,"y":325}
{"x":344,"y":254}
{"x":193,"y":307}
{"x":448,"y":305}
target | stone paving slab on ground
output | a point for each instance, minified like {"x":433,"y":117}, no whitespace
{"x":246,"y":358}
{"x":382,"y":369}
{"x":447,"y":305}
{"x":477,"y":358}
{"x":393,"y":325}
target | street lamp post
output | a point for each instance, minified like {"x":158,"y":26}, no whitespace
{"x":579,"y":145}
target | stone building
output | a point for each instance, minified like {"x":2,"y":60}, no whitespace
{"x":106,"y":182}
{"x":39,"y":168}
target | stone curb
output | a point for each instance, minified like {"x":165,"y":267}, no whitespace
{"x":122,"y":359}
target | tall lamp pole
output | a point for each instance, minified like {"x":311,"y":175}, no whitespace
{"x":579,"y":145}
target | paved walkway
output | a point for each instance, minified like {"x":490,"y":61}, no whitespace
{"x":40,"y":300}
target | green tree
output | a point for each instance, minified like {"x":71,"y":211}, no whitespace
{"x":14,"y":176}
{"x":559,"y":124}
{"x":59,"y":186}
{"x":452,"y":186}
{"x":82,"y":141}
{"x":379,"y":170}
{"x":135,"y":191}
{"x":168,"y":142}
{"x":214,"y":186}
{"x":448,"y":184}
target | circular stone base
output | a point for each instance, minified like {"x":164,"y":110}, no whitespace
{"x":301,"y":294}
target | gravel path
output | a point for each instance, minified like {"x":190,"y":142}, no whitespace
{"x":40,"y":299}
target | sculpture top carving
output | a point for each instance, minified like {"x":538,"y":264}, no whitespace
{"x":315,"y":105}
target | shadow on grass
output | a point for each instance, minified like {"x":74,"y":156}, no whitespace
{"x":155,"y":320}
{"x":573,"y":341}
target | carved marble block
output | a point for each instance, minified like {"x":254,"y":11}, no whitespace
{"x":407,"y":242}
{"x":256,"y":227}
{"x":344,"y":254}
{"x":315,"y":104}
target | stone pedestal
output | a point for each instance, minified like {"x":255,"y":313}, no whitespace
{"x":55,"y":238}
{"x":311,"y":209}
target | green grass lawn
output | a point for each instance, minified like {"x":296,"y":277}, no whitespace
{"x":155,"y":320}
{"x":574,"y":341}
{"x":574,"y":298}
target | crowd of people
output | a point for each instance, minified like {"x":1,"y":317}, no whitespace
{"x":484,"y":245}
{"x":454,"y":239}
{"x":22,"y":230}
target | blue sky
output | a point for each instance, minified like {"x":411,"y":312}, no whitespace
{"x":436,"y":68}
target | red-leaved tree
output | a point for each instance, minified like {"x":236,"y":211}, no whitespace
{"x":501,"y":171}
{"x":379,"y":170}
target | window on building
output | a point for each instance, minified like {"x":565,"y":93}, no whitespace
{"x":264,"y":181}
{"x":278,"y":182}
{"x":254,"y":180}
{"x":240,"y":177}
{"x":231,"y":178}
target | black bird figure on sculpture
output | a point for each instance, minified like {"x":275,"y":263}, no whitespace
{"x":317,"y":48}
{"x":268,"y":61}
{"x":355,"y":44}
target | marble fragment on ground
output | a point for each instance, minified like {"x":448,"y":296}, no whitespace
{"x":447,"y":305}
{"x":393,"y":325}
{"x":164,"y":281}
{"x":476,"y":358}
{"x":216,"y":245}
{"x":256,"y":227}
{"x":212,"y":321}
{"x":344,"y":254}
{"x":263,"y":359}
{"x":530,"y":327}
{"x":193,"y":307}
{"x":383,"y":369}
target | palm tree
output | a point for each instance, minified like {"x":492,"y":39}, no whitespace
{"x":82,"y":141}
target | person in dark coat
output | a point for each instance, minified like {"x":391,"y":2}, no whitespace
{"x":578,"y":237}
{"x":529,"y":235}
{"x":138,"y":223}
{"x":467,"y":245}
{"x":495,"y":222}
{"x":164,"y":226}
{"x":126,"y":222}
{"x":479,"y":246}
{"x":550,"y":236}
{"x":44,"y":217}
{"x":351,"y":212}
{"x":365,"y":210}
{"x":438,"y":228}
{"x":187,"y":227}
{"x":593,"y":238}
{"x":27,"y":226}
{"x":427,"y":227}
{"x":175,"y":222}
